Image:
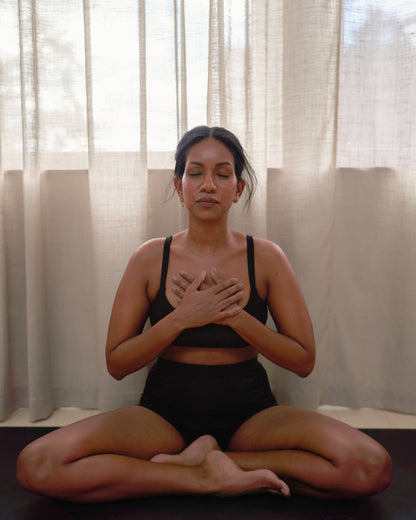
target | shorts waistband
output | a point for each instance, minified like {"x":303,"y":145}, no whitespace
{"x":184,"y":368}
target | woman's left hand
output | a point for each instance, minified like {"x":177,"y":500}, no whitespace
{"x":184,"y":280}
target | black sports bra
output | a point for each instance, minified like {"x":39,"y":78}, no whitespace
{"x":211,"y":335}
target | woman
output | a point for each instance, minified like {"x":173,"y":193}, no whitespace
{"x":207,"y":421}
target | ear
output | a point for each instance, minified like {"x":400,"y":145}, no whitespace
{"x":177,"y":181}
{"x":240,"y":188}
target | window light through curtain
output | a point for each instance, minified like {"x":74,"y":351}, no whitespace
{"x":94,"y":95}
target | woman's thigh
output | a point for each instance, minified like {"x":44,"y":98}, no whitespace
{"x":287,"y":428}
{"x":316,"y":454}
{"x":133,"y":431}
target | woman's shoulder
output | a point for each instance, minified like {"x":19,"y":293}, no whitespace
{"x":267,"y":249}
{"x":148,"y":253}
{"x":143,"y":268}
{"x":270,"y":257}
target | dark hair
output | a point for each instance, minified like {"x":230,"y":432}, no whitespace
{"x":242,"y":164}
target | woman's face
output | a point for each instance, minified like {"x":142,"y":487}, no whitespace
{"x":209,"y":185}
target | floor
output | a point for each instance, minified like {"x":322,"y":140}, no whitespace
{"x":361,"y":418}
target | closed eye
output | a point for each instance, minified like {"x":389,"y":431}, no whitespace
{"x":223,"y":172}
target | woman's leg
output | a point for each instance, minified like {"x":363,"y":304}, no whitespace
{"x":312,"y":453}
{"x":107,"y":457}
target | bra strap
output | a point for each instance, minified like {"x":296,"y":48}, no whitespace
{"x":250,"y":261}
{"x":165,"y":262}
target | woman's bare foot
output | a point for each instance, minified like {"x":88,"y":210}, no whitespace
{"x":221,"y":475}
{"x":230,"y":480}
{"x":193,"y":455}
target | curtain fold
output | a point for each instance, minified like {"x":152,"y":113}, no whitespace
{"x":301,"y":221}
{"x":38,"y":348}
{"x":93,"y":98}
{"x":6,"y":385}
{"x":117,"y":180}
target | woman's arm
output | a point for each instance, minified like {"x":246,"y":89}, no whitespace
{"x":293,"y":346}
{"x":128,"y":348}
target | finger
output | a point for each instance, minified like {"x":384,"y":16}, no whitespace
{"x":226,"y":290}
{"x":219,"y":279}
{"x":231,"y":300}
{"x":199,"y":280}
{"x":178,"y":291}
{"x":179,"y":282}
{"x":229,"y":312}
{"x":186,"y":276}
{"x":232,"y":311}
{"x":216,"y":276}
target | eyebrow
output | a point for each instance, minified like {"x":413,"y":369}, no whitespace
{"x":225,"y":163}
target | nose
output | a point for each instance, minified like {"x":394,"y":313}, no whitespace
{"x":208,"y":184}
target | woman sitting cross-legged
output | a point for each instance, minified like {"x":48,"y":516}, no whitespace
{"x":207,"y":422}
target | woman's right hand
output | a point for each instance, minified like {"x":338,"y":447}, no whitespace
{"x":201,"y":303}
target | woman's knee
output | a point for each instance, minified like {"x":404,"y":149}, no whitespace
{"x":40,"y":465}
{"x":34,"y":468}
{"x":366,"y":469}
{"x":377,"y":469}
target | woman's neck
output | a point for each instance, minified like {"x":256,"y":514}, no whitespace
{"x":207,"y":238}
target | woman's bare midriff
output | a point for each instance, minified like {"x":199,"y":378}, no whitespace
{"x":208,"y":356}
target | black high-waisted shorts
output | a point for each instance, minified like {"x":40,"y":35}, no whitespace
{"x":207,"y":399}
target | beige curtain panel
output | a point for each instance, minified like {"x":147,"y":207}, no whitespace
{"x":93,"y":98}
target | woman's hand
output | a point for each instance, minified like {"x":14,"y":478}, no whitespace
{"x":182,"y":282}
{"x":208,"y":298}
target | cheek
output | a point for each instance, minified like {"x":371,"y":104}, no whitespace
{"x":187,"y":186}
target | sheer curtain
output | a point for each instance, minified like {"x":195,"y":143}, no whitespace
{"x":93,"y":98}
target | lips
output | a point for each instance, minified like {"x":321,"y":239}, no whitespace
{"x":207,"y":201}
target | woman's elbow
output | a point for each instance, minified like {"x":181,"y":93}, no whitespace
{"x":305,"y":371}
{"x":306,"y":367}
{"x":114,"y":370}
{"x":114,"y":373}
{"x":118,"y":366}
